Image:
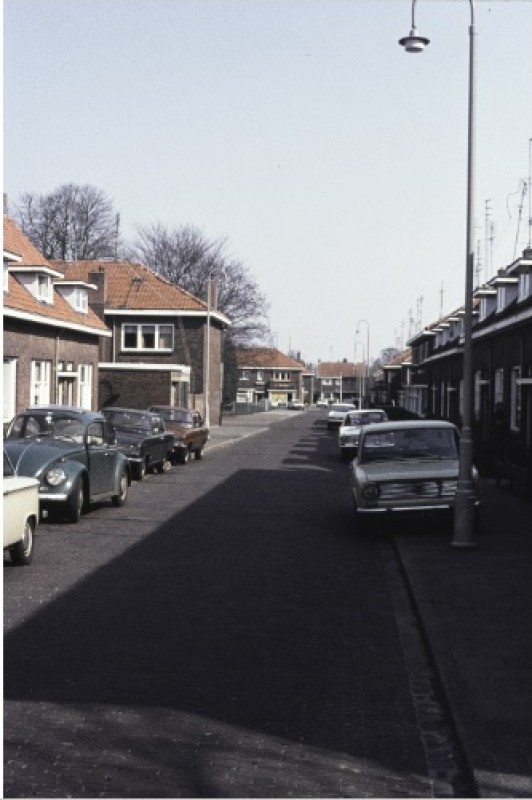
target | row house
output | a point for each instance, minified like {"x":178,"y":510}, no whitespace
{"x":502,"y":366}
{"x":165,"y":345}
{"x":267,"y":375}
{"x":340,"y":381}
{"x":51,"y":336}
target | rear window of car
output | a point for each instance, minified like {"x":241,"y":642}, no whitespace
{"x":434,"y":443}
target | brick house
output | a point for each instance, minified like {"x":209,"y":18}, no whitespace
{"x":162,"y":338}
{"x":267,"y":375}
{"x":340,"y":381}
{"x":501,"y":362}
{"x":51,"y":335}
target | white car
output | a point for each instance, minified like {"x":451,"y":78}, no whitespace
{"x":349,"y":433}
{"x":337,"y":413}
{"x":21,"y":514}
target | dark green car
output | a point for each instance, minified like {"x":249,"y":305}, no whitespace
{"x":73,"y":454}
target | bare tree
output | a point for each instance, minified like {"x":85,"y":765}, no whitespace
{"x":72,"y":222}
{"x":187,"y":258}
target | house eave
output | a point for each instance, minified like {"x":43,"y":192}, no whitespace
{"x":13,"y":313}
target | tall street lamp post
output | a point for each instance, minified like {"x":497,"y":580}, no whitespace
{"x":367,"y":351}
{"x":464,"y":535}
{"x":361,"y":377}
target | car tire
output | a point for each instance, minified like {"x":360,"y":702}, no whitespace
{"x":198,"y":454}
{"x":140,"y":470}
{"x":22,"y":552}
{"x":76,"y":502}
{"x":120,"y":498}
{"x":184,"y":456}
{"x":165,"y":466}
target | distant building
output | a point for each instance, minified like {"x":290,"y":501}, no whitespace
{"x":338,"y":381}
{"x":265,"y":375}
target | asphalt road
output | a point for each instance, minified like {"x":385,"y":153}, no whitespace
{"x":225,"y":634}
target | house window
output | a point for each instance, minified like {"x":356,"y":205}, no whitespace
{"x":147,"y":337}
{"x":10,"y":383}
{"x":281,"y":376}
{"x":498,"y":391}
{"x":515,"y":399}
{"x":524,"y":285}
{"x":44,"y":286}
{"x":85,"y":386}
{"x":40,"y":382}
{"x":81,"y":302}
{"x":477,"y":391}
{"x":501,"y":298}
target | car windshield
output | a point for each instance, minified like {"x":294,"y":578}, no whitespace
{"x":54,"y":424}
{"x":428,"y":443}
{"x":364,"y":419}
{"x":127,"y":420}
{"x":173,"y":415}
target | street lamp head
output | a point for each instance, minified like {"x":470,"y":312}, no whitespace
{"x":414,"y":43}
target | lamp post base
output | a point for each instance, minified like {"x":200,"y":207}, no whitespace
{"x":465,"y":517}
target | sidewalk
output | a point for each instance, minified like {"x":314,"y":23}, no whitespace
{"x":476,"y":608}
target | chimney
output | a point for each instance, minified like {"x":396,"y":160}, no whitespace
{"x":98,"y":297}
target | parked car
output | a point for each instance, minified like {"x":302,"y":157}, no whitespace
{"x":296,"y":405}
{"x":322,"y":403}
{"x":408,"y":467}
{"x":349,"y":432}
{"x":74,"y":455}
{"x":21,"y":514}
{"x":337,"y":413}
{"x":189,"y":432}
{"x":142,"y":437}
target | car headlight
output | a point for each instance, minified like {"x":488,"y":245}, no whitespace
{"x":371,"y":492}
{"x":55,"y":476}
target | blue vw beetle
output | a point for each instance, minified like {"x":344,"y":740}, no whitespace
{"x":73,"y":454}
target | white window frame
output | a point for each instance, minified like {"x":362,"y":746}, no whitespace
{"x":44,"y":288}
{"x":525,"y":283}
{"x":40,"y":383}
{"x":139,"y":326}
{"x":501,"y":298}
{"x":498,"y":387}
{"x":80,"y":299}
{"x":9,"y":388}
{"x":515,"y":399}
{"x":85,"y":373}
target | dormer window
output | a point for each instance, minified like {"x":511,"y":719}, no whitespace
{"x":501,"y":298}
{"x":525,"y":286}
{"x":44,"y":288}
{"x":80,"y":300}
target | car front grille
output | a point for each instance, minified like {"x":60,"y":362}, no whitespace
{"x":411,"y":490}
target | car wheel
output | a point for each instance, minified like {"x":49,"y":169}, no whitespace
{"x":120,"y":498}
{"x":184,"y":456}
{"x":165,"y":466}
{"x":198,"y":454}
{"x":76,"y":502}
{"x":140,"y":470}
{"x":22,"y":552}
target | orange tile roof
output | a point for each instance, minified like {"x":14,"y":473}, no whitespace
{"x":337,"y":369}
{"x":124,"y":292}
{"x":18,"y":243}
{"x":19,"y":299}
{"x":265,"y":358}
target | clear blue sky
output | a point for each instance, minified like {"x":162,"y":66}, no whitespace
{"x":333,"y":162}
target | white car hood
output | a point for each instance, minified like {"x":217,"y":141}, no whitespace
{"x":408,"y":470}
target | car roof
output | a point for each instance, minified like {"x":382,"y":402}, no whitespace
{"x":127,"y":410}
{"x":171,"y":408}
{"x":369,"y":410}
{"x":404,"y":425}
{"x":83,"y":413}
